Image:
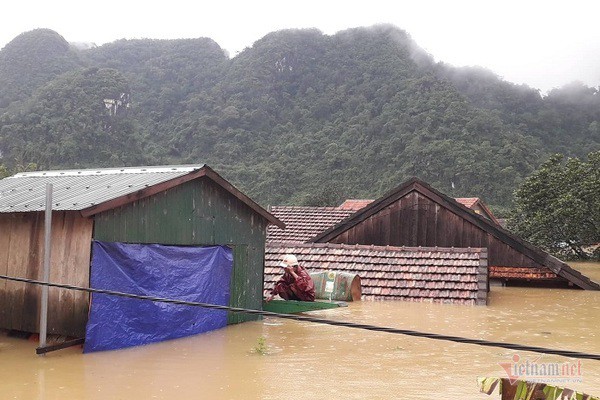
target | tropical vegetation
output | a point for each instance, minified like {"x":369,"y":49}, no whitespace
{"x":558,"y":206}
{"x":298,"y":118}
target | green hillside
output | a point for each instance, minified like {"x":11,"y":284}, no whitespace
{"x":298,"y":118}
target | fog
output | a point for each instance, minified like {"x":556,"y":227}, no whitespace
{"x":542,"y":44}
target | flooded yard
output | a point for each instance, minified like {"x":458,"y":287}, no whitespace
{"x":325,"y":362}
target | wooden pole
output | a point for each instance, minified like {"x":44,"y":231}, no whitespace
{"x":47,"y":244}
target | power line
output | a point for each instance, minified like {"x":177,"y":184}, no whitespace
{"x":407,"y":332}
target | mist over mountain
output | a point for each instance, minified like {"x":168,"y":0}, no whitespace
{"x":298,"y":118}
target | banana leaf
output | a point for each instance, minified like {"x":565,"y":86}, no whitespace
{"x":525,"y":390}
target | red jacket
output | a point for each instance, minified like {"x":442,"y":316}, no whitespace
{"x":290,"y":288}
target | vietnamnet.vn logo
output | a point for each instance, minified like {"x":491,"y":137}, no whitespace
{"x":532,"y":370}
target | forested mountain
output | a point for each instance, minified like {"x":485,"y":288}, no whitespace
{"x":298,"y":118}
{"x":31,"y":60}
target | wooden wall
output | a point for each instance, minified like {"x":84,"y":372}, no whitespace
{"x":199,"y":213}
{"x":22,"y":255}
{"x":416,"y":220}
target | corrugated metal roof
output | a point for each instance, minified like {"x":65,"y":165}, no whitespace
{"x":80,"y":189}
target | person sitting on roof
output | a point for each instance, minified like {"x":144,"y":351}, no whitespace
{"x":295,"y":284}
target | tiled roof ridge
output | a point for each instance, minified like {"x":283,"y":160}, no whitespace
{"x":375,"y":247}
{"x":304,"y":208}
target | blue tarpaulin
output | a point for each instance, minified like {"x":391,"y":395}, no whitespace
{"x":200,"y":274}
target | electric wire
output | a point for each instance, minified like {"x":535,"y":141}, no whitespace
{"x":305,"y":318}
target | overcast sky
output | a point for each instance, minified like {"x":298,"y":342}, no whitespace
{"x":544,"y":44}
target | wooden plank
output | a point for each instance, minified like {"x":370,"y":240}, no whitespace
{"x":422,"y":208}
{"x":17,"y":266}
{"x":204,"y":225}
{"x":395,"y":224}
{"x":6,"y":226}
{"x":442,"y":239}
{"x":445,"y":228}
{"x":58,"y":303}
{"x":343,"y":238}
{"x":463,"y":234}
{"x":69,"y":271}
{"x":405,"y":229}
{"x":386,"y":224}
{"x":431,"y":223}
{"x":369,"y":231}
{"x":238,"y":283}
{"x":35,"y":261}
{"x":79,"y":274}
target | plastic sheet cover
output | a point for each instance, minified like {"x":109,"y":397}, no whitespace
{"x":200,"y":274}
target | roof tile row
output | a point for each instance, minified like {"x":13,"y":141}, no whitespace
{"x":430,"y":274}
{"x":303,"y":223}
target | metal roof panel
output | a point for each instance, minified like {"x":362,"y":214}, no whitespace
{"x":80,"y":189}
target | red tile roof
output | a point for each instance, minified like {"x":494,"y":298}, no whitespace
{"x":445,"y":275}
{"x":467,"y":201}
{"x":354,"y":204}
{"x":303,"y":223}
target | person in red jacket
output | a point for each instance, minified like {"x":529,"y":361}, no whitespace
{"x":295,"y":284}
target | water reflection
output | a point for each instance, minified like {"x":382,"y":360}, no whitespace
{"x":323,"y":361}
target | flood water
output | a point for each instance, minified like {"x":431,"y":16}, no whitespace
{"x":314,"y":361}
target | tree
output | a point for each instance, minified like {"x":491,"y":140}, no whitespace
{"x":558,"y":206}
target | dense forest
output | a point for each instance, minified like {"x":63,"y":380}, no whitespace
{"x":298,"y":118}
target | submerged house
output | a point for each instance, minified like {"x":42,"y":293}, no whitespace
{"x":188,"y":206}
{"x":443,"y":275}
{"x":415,"y":243}
{"x":415,"y":214}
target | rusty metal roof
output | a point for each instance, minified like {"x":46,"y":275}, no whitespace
{"x":81,"y":189}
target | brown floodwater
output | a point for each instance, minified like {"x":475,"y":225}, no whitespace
{"x":312,"y":361}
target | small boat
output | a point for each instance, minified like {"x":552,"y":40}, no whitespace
{"x":294,"y":306}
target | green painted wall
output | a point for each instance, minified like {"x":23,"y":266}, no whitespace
{"x":202,"y":213}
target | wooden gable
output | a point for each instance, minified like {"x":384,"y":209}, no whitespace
{"x":415,"y":214}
